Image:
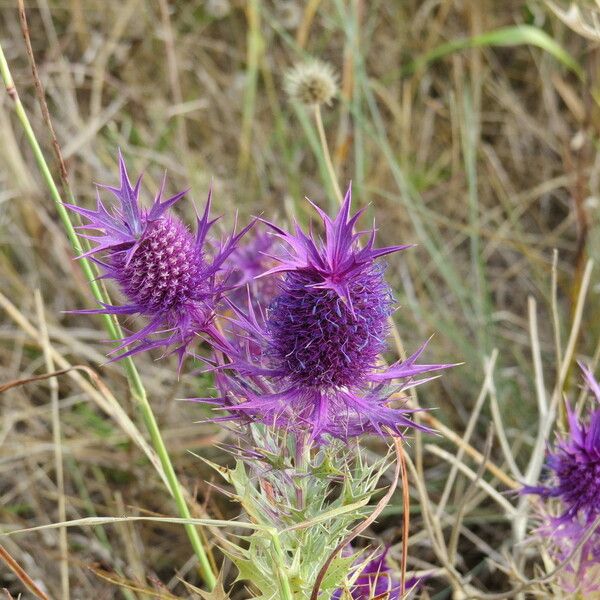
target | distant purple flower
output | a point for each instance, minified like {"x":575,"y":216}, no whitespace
{"x":377,"y":580}
{"x":575,"y":464}
{"x":319,"y":368}
{"x":250,"y":260}
{"x":161,"y":268}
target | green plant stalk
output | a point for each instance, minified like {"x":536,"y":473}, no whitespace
{"x":469,"y":139}
{"x":255,"y":46}
{"x":314,"y":141}
{"x":284,"y":583}
{"x":111,"y":324}
{"x":301,"y":463}
{"x":327,"y":155}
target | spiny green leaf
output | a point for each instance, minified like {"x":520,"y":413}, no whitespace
{"x":337,"y":572}
{"x":250,"y":571}
{"x":332,"y":514}
{"x":218,"y":593}
{"x":327,"y":469}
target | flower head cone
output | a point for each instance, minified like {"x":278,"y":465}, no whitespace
{"x":322,"y":337}
{"x":575,"y":464}
{"x":162,"y":269}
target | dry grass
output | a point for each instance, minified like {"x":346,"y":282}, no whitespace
{"x":487,"y":159}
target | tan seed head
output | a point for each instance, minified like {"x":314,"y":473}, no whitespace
{"x":312,"y":83}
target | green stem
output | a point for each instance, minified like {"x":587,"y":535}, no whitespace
{"x":284,"y":583}
{"x":327,"y":154}
{"x":302,"y":451}
{"x":112,"y":326}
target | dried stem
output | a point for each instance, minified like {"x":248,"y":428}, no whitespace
{"x":58,"y":456}
{"x":572,"y":341}
{"x":468,"y":432}
{"x":484,"y":485}
{"x":472,"y":452}
{"x":405,"y":520}
{"x":14,"y":566}
{"x":455,"y":534}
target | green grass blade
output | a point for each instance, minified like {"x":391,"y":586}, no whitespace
{"x":517,"y":35}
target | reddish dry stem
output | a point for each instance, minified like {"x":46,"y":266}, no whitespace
{"x":14,"y":566}
{"x":405,"y":519}
{"x":39,"y":88}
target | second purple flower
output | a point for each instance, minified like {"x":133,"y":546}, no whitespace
{"x":164,"y":271}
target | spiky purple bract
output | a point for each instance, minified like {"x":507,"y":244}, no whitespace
{"x":377,"y":580}
{"x":319,"y":366}
{"x":160,"y":266}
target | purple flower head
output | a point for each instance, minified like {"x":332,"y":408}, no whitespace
{"x":322,"y":336}
{"x":575,"y":464}
{"x":377,"y":580}
{"x":160,"y":266}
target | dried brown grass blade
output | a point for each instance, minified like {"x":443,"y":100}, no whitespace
{"x":14,"y":566}
{"x":39,"y":90}
{"x":57,"y":441}
{"x":18,"y":382}
{"x":304,"y":29}
{"x":129,"y":585}
{"x":405,"y":520}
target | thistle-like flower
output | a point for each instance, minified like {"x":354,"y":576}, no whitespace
{"x":312,"y":83}
{"x":575,"y":464}
{"x":320,"y":368}
{"x":161,"y":268}
{"x":378,"y":580}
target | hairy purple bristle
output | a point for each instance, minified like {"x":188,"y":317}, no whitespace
{"x":578,"y":479}
{"x":322,"y":340}
{"x":250,"y":260}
